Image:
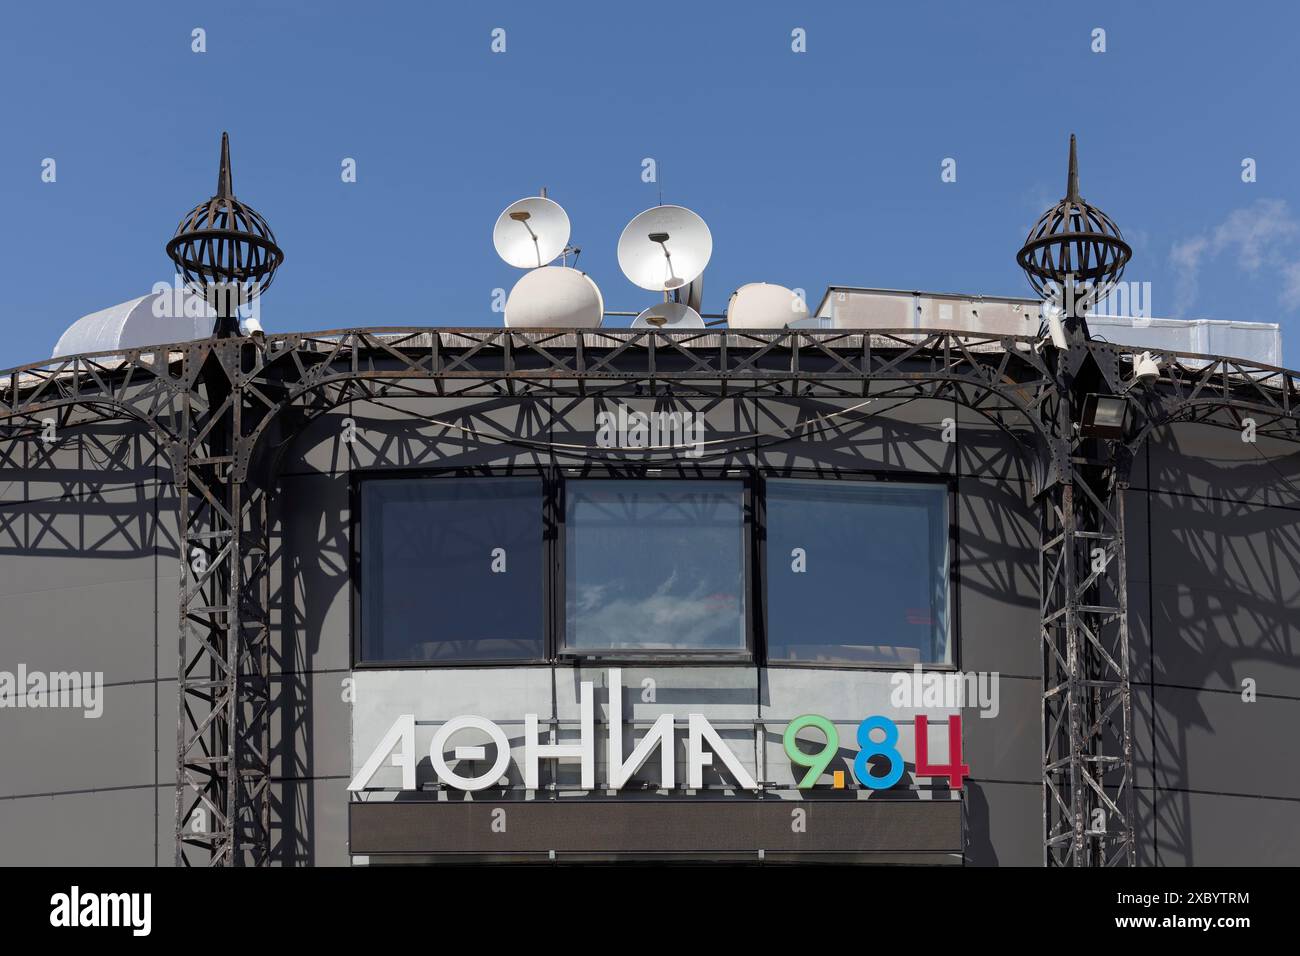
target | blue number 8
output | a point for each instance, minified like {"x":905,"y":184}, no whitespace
{"x":869,"y":748}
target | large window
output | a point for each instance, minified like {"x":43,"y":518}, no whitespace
{"x":857,"y":572}
{"x":469,"y":570}
{"x":452,"y":570}
{"x":655,"y":565}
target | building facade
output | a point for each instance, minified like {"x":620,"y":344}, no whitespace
{"x":479,"y":589}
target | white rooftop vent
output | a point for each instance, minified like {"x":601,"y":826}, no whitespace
{"x":852,"y":308}
{"x":849,"y":308}
{"x":1257,"y":341}
{"x":152,"y":319}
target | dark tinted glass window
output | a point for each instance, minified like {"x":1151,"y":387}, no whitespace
{"x":452,"y":570}
{"x":857,"y":572}
{"x":655,"y":565}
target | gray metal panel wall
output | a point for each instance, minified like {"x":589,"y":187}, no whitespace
{"x":88,"y":584}
{"x":1214,"y":586}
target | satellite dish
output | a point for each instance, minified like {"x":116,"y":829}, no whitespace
{"x":761,"y":305}
{"x":531,"y":232}
{"x":668,"y":315}
{"x":664,"y":248}
{"x":554,"y":297}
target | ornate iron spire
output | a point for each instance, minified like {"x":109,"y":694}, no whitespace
{"x":1071,"y":185}
{"x":226,"y":191}
{"x":225,"y":250}
{"x":1075,"y":252}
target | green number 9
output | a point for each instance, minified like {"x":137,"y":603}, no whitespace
{"x":815,"y":762}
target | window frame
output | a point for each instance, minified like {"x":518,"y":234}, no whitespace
{"x":744,"y":477}
{"x":753,"y":480}
{"x":950,"y":484}
{"x":359,"y":477}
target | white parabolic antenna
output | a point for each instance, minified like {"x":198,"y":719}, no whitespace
{"x":668,"y":315}
{"x":531,"y":232}
{"x":554,"y":297}
{"x":762,"y":305}
{"x":664,"y":248}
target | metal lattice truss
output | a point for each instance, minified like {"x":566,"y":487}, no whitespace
{"x":1087,"y":718}
{"x":1087,"y":714}
{"x":222,"y":407}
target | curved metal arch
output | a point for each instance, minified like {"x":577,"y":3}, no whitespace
{"x":82,"y":369}
{"x":180,"y":385}
{"x":1006,"y":392}
{"x":1228,"y":395}
{"x":319,"y":411}
{"x":1026,"y":452}
{"x":164,"y":439}
{"x":1179,"y":415}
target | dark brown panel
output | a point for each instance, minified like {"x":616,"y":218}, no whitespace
{"x":657,"y":827}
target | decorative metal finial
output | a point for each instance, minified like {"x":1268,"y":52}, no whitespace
{"x":225,"y":190}
{"x":1075,"y":252}
{"x":225,"y":250}
{"x":1071,"y":185}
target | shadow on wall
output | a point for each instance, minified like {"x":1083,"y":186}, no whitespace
{"x":1224,"y":563}
{"x":980,"y":850}
{"x":311,"y":560}
{"x":99,"y":491}
{"x":87,"y":518}
{"x":998,"y":547}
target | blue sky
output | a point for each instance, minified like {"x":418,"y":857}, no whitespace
{"x":811,"y":169}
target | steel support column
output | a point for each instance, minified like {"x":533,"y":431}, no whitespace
{"x":1087,"y":720}
{"x":1087,"y":710}
{"x":223,"y":756}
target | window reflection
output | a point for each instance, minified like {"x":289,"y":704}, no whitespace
{"x":857,"y":572}
{"x":654,"y":565}
{"x":452,"y":570}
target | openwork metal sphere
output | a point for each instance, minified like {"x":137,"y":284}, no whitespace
{"x":1074,"y":242}
{"x":225,"y":243}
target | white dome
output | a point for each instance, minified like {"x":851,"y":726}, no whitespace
{"x":760,"y":305}
{"x":134,"y":324}
{"x":554,"y":297}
